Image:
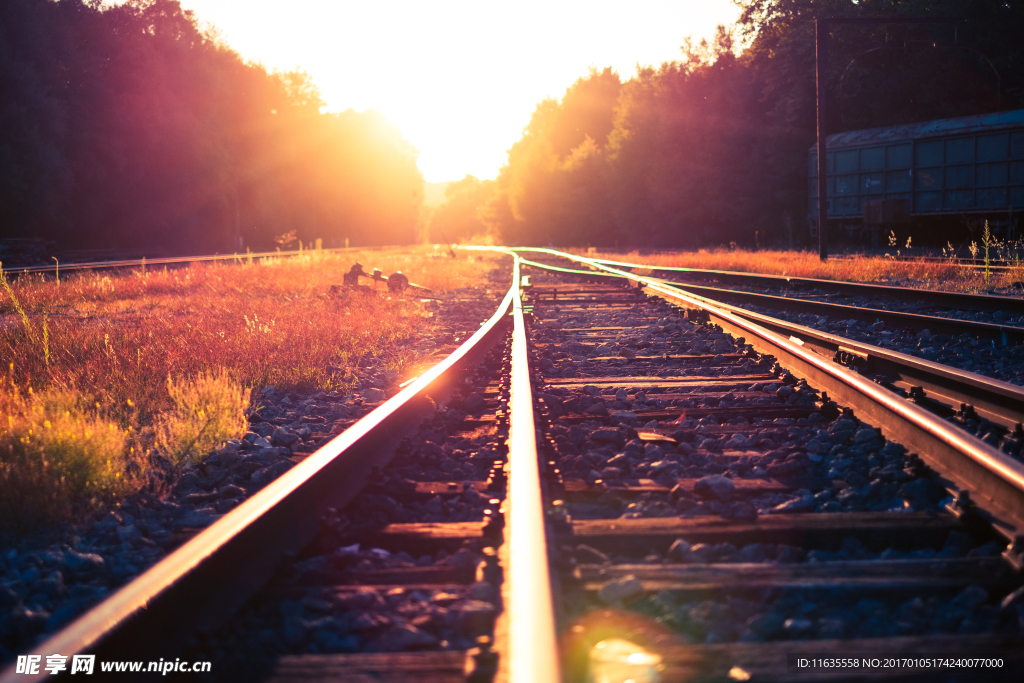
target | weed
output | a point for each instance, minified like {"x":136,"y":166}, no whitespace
{"x":58,"y":456}
{"x":207,"y":411}
{"x":17,"y":305}
{"x":987,"y":241}
{"x":46,"y":341}
{"x":893,"y":243}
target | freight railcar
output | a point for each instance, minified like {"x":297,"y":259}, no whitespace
{"x":939,"y":179}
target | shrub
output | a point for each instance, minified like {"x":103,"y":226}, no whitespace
{"x":59,"y":456}
{"x":206,"y":412}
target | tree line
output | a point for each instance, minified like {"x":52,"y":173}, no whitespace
{"x":129,"y":126}
{"x":712,"y":148}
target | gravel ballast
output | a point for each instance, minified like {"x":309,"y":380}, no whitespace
{"x":828,"y":460}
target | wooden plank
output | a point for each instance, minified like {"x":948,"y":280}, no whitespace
{"x":577,"y":299}
{"x":776,"y":403}
{"x":640,"y":356}
{"x":586,"y":330}
{"x":580,"y":306}
{"x":651,"y":486}
{"x":817,"y":529}
{"x":749,"y":412}
{"x":276,"y":591}
{"x":447,"y":488}
{"x":821,"y":530}
{"x":875,"y":575}
{"x":545,"y":296}
{"x":429,"y":489}
{"x":385,"y":667}
{"x":436,"y":531}
{"x":643,"y":360}
{"x":767,"y":662}
{"x":591,"y":289}
{"x":676,"y":381}
{"x":719,"y":393}
{"x":765,"y":429}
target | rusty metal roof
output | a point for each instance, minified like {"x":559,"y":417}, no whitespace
{"x":926,"y":129}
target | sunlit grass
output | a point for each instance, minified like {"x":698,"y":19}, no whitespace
{"x":947,"y":274}
{"x":158,"y":349}
{"x":206,"y":412}
{"x":118,"y":336}
{"x":58,"y":455}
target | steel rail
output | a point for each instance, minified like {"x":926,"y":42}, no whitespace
{"x":571,"y":271}
{"x":210,"y":576}
{"x":161,"y":261}
{"x":1001,"y":334}
{"x":965,"y":462}
{"x":180,"y":260}
{"x":932,"y":383}
{"x":997,"y":401}
{"x":985,"y":302}
{"x":533,"y":655}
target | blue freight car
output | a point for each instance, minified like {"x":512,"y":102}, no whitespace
{"x":967,"y":165}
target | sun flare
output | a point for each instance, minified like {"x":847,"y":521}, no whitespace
{"x":460,"y":78}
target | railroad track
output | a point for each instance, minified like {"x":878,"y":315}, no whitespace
{"x":115,"y":264}
{"x":651,"y":562}
{"x":296,"y":549}
{"x":995,"y":333}
{"x":808,"y":288}
{"x":583,"y":427}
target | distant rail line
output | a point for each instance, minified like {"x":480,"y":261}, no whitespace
{"x":646,"y":482}
{"x":114,"y":264}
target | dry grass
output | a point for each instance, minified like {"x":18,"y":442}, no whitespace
{"x":945,"y":275}
{"x":59,"y":454}
{"x":208,"y":410}
{"x":137,"y":345}
{"x":118,"y":337}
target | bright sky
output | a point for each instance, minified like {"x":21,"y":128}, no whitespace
{"x":460,"y":78}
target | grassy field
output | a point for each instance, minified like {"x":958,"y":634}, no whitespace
{"x":946,"y":275}
{"x":104,"y":371}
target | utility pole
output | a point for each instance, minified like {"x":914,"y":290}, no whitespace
{"x":821,"y":62}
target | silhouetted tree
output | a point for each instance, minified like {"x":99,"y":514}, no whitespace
{"x":712,"y":148}
{"x":129,"y":126}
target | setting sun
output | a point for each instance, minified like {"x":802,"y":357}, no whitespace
{"x":460,"y":78}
